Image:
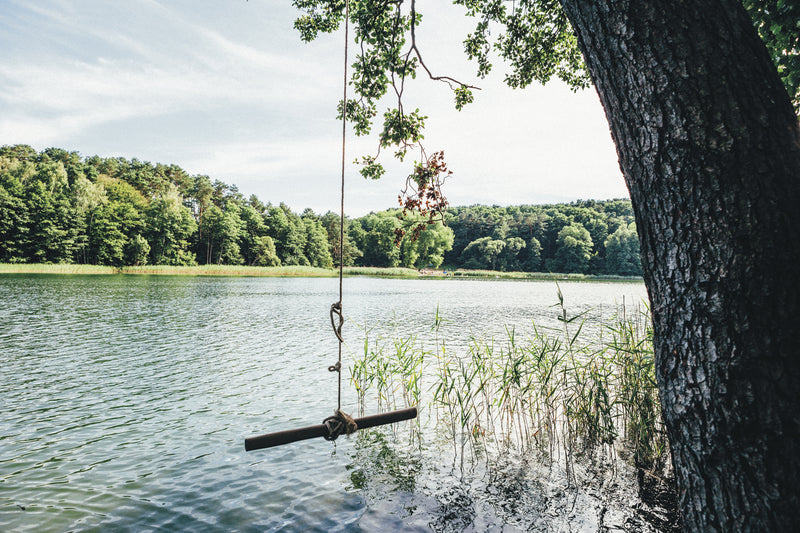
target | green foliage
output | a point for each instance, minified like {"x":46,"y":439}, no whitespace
{"x":288,"y":233}
{"x":55,"y":207}
{"x":574,"y":249}
{"x":387,"y":56}
{"x":264,"y":253}
{"x":320,"y":17}
{"x":401,"y":129}
{"x":538,"y":227}
{"x":778,"y":25}
{"x":533,"y":261}
{"x":317,"y":249}
{"x":483,"y":253}
{"x":428,"y":249}
{"x":137,"y":251}
{"x":622,"y":252}
{"x":535,"y":38}
{"x":376,"y":240}
{"x":463,"y":96}
{"x":359,"y":114}
{"x":169,"y":226}
{"x":350,"y":253}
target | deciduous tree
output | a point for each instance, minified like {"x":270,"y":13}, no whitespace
{"x":709,"y":145}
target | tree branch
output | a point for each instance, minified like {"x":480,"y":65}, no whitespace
{"x":445,"y":79}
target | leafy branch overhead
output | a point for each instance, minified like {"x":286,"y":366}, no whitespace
{"x":534,"y":37}
{"x":389,"y":54}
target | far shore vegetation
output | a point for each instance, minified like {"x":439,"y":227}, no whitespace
{"x":295,"y":271}
{"x":57,"y":207}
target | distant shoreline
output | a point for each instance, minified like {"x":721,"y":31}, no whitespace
{"x":296,"y":271}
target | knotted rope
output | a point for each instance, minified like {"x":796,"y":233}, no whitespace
{"x":339,"y":423}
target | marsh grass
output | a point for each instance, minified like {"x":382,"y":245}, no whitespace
{"x":547,"y":276}
{"x":562,"y":391}
{"x":229,"y":270}
{"x":166,"y":270}
{"x":287,"y":271}
{"x":206,"y":270}
{"x":59,"y":268}
{"x":396,"y":272}
{"x":465,"y":273}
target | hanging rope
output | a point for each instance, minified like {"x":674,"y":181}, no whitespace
{"x":341,"y":422}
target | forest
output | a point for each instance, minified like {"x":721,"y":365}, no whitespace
{"x":59,"y":207}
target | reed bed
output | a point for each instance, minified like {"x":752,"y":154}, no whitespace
{"x":387,"y":272}
{"x":558,"y":391}
{"x":206,"y":270}
{"x":229,"y":270}
{"x":549,"y":276}
{"x":54,"y":268}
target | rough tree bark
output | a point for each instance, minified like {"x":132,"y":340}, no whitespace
{"x":710,"y":148}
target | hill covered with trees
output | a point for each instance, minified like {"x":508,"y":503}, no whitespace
{"x":57,"y":207}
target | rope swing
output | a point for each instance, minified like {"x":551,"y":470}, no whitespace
{"x":340,"y":423}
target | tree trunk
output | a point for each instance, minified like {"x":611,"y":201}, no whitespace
{"x":710,"y":149}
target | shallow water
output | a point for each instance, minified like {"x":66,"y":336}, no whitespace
{"x":126,"y":400}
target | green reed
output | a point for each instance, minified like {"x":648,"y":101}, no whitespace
{"x":631,"y":344}
{"x":560,"y":390}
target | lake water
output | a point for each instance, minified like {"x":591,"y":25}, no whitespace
{"x":125,"y":400}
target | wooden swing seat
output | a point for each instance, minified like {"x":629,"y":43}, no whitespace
{"x":279,"y":438}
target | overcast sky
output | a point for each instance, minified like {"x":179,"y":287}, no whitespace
{"x":227,"y":89}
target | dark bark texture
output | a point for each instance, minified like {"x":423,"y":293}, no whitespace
{"x":710,"y":148}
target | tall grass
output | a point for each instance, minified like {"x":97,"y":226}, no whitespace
{"x":561,"y":391}
{"x":229,"y":270}
{"x":465,"y":273}
{"x":396,"y":272}
{"x":197,"y":270}
{"x":58,"y":268}
{"x":206,"y":270}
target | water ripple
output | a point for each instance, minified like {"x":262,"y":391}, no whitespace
{"x":126,"y":399}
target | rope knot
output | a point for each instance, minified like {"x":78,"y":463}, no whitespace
{"x":339,"y":423}
{"x":336,"y":309}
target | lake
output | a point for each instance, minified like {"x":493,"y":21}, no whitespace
{"x":126,"y":399}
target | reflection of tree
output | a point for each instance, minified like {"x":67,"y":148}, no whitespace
{"x":382,"y":466}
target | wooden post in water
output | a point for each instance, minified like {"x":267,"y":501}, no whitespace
{"x":280,"y":438}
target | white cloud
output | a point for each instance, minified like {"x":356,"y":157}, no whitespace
{"x":261,"y":105}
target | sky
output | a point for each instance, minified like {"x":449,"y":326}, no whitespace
{"x":228,"y":89}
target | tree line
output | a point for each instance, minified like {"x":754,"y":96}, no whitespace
{"x":57,"y":207}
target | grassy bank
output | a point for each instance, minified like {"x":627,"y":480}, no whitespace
{"x":206,"y":270}
{"x":200,"y":270}
{"x":549,"y":276}
{"x":293,"y":271}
